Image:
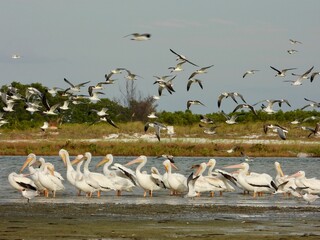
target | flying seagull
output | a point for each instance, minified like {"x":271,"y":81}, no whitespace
{"x":298,"y":81}
{"x":282,"y":131}
{"x":230,"y":94}
{"x":200,"y":71}
{"x":294,"y":41}
{"x":193,"y":102}
{"x":183,"y":58}
{"x":282,"y":73}
{"x":192,"y":80}
{"x":249,"y":72}
{"x":139,"y":36}
{"x":74,"y":88}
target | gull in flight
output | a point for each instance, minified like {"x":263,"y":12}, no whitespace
{"x":178,"y":67}
{"x":245,"y":106}
{"x":183,"y":58}
{"x":74,"y":88}
{"x":282,"y":131}
{"x":139,"y":36}
{"x":165,"y":85}
{"x":192,"y":80}
{"x":209,"y":130}
{"x":268,"y":109}
{"x":249,"y":72}
{"x":193,"y":102}
{"x":157,"y":126}
{"x":231,"y":119}
{"x":292,"y":51}
{"x":313,"y":131}
{"x":312,"y":103}
{"x":282,"y":73}
{"x":200,"y":71}
{"x":15,"y":56}
{"x":313,"y":75}
{"x":230,"y":94}
{"x":131,"y":76}
{"x":294,"y":41}
{"x":298,"y":81}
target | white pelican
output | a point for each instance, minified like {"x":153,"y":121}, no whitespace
{"x":226,"y":179}
{"x":307,"y":185}
{"x":177,"y":182}
{"x":120,"y":180}
{"x":15,"y":178}
{"x":49,"y":180}
{"x":284,"y":183}
{"x":30,"y":160}
{"x":82,"y":184}
{"x":97,"y":180}
{"x":71,"y":172}
{"x":207,"y":183}
{"x":254,"y":182}
{"x":146,"y":181}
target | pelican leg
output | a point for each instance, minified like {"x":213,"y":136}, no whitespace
{"x":211,"y":194}
{"x":98,"y":193}
{"x":118,"y":193}
{"x":54,"y":194}
{"x":254,"y":194}
{"x":150,"y":193}
{"x":79,"y":192}
{"x":221,"y":193}
{"x":144,"y":194}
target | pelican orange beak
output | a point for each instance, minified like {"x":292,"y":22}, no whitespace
{"x":137,"y":160}
{"x":234,"y":166}
{"x":174,"y":166}
{"x":78,"y":159}
{"x":280,"y":170}
{"x":297,"y":174}
{"x":63,"y":157}
{"x":103,"y":161}
{"x":51,"y":170}
{"x":26,"y":163}
{"x":198,"y":171}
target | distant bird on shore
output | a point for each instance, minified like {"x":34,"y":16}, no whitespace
{"x":139,"y":36}
{"x":249,"y":72}
{"x":282,"y":73}
{"x":310,"y":198}
{"x":182,"y":58}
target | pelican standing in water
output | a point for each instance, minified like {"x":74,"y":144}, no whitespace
{"x":97,"y":180}
{"x":254,"y":182}
{"x":177,"y":182}
{"x":145,"y":180}
{"x":120,"y":180}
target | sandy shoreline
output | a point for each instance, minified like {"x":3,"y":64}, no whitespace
{"x":155,"y":221}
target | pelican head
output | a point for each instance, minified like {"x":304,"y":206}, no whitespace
{"x":106,"y":159}
{"x":279,"y":169}
{"x":31,"y":158}
{"x":139,"y":159}
{"x":211,"y":163}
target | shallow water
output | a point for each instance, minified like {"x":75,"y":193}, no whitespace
{"x":311,"y":166}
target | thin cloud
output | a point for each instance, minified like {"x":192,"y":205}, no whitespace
{"x":222,"y":21}
{"x":177,"y":23}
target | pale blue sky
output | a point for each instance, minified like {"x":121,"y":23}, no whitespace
{"x":82,"y":40}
